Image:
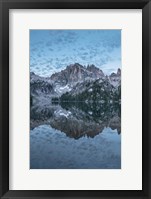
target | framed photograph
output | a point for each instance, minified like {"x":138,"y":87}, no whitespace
{"x":75,"y":99}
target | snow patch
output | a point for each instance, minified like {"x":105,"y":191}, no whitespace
{"x":63,"y":89}
{"x":62,"y":113}
{"x":90,"y":90}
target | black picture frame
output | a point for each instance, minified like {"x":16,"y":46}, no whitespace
{"x":5,"y":5}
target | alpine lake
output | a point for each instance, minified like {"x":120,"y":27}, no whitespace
{"x":75,"y":135}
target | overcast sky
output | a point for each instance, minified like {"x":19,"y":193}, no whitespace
{"x":52,"y":50}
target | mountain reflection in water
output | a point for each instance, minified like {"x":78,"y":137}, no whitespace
{"x":58,"y":129}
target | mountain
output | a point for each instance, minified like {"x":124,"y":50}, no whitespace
{"x":73,"y":74}
{"x":100,"y":90}
{"x":76,"y":82}
{"x":39,"y":85}
{"x":96,"y":72}
{"x":41,"y":89}
{"x":115,"y":78}
{"x":66,"y":79}
{"x":76,"y":73}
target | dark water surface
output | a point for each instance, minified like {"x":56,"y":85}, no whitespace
{"x":75,"y":135}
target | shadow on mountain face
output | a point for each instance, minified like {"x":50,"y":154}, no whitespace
{"x":77,"y":119}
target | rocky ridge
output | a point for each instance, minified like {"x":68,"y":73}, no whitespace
{"x":76,"y":80}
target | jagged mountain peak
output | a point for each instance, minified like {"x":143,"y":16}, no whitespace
{"x":119,"y":72}
{"x":91,"y":67}
{"x":32,"y":73}
{"x":115,"y":78}
{"x":74,"y":77}
{"x":98,"y":72}
{"x":74,"y":73}
{"x":75,"y":65}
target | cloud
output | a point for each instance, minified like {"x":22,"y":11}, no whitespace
{"x":53,"y":50}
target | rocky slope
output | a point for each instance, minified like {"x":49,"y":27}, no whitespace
{"x":76,"y":73}
{"x":66,"y":79}
{"x":98,"y":90}
{"x":41,"y":85}
{"x":77,"y":82}
{"x":115,"y":78}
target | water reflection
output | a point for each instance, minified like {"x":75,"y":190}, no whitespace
{"x":75,"y":136}
{"x":77,"y":119}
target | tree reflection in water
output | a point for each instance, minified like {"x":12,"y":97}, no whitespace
{"x":77,"y":119}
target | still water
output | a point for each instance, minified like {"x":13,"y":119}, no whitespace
{"x":75,"y":136}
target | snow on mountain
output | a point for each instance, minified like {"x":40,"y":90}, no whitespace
{"x":75,"y":73}
{"x":76,"y":79}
